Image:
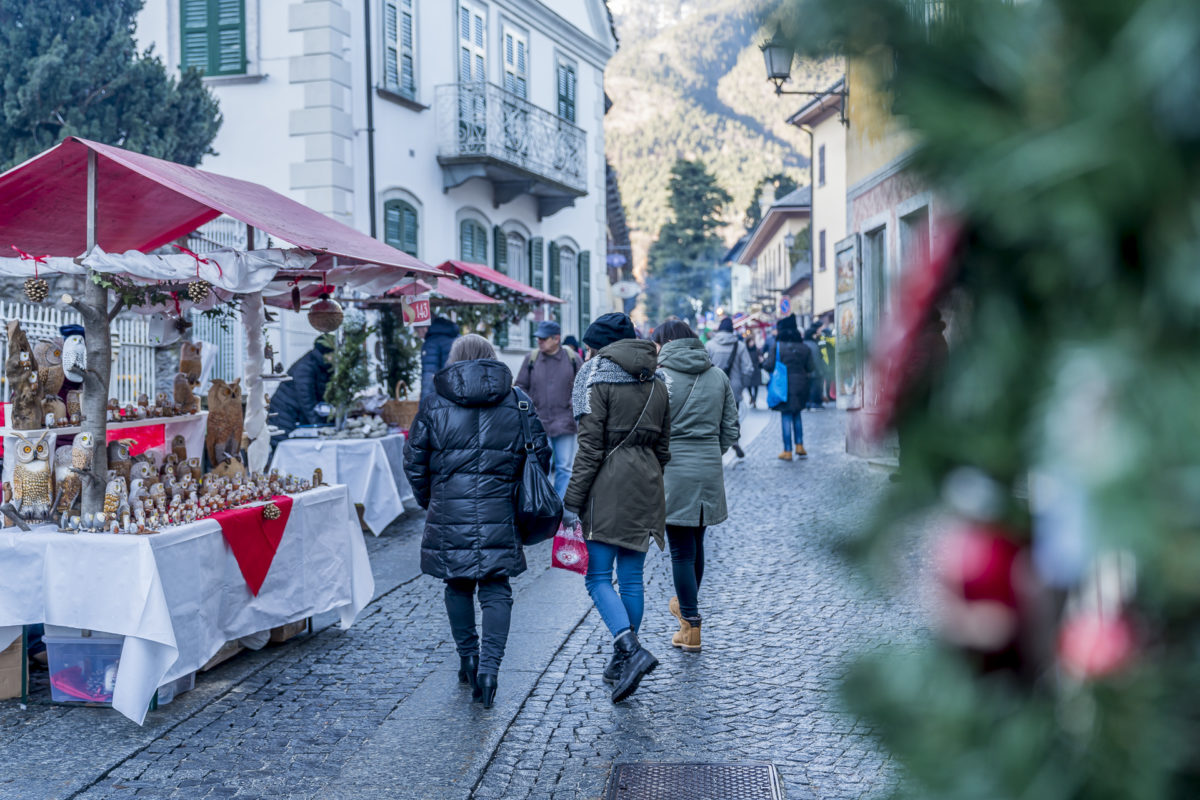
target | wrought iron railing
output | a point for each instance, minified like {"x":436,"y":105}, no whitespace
{"x":483,"y":120}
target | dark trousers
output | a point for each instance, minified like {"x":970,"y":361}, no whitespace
{"x":495,"y":598}
{"x":687,"y":566}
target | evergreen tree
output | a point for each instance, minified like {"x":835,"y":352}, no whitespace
{"x":71,"y":68}
{"x":783,"y":183}
{"x":684,"y":274}
{"x":1060,"y":441}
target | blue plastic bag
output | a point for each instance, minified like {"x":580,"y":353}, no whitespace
{"x":777,"y":387}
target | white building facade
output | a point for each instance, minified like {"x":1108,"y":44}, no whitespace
{"x":452,"y":129}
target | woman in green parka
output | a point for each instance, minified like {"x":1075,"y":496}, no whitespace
{"x":704,"y":424}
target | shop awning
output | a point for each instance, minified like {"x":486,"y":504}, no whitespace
{"x":447,"y":290}
{"x":500,"y":279}
{"x":144,"y":203}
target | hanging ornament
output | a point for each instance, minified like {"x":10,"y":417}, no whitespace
{"x":36,"y":289}
{"x":978,"y":566}
{"x":325,"y":315}
{"x":1093,"y":645}
{"x":296,"y":297}
{"x":197,"y":291}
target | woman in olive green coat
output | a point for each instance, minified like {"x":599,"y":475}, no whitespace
{"x":704,"y":424}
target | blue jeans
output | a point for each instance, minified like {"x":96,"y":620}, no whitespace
{"x":792,"y":424}
{"x":618,"y":611}
{"x":564,"y":448}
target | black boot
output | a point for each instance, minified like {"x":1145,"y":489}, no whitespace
{"x":467,"y":667}
{"x":637,"y":663}
{"x":485,"y":688}
{"x":613,"y":671}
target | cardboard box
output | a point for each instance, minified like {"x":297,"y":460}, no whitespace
{"x":14,"y":676}
{"x":227,"y":651}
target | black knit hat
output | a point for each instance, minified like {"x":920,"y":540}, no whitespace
{"x":726,"y":325}
{"x":612,"y":327}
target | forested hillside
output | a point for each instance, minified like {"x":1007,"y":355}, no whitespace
{"x":688,"y":82}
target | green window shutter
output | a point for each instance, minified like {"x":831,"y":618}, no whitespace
{"x":213,"y":36}
{"x":500,"y":250}
{"x":555,"y":275}
{"x":193,"y":34}
{"x":400,"y":226}
{"x":537,"y":276}
{"x":391,"y":44}
{"x":408,"y":78}
{"x":585,"y":290}
{"x":473,"y":242}
{"x":466,"y":240}
{"x":566,"y":92}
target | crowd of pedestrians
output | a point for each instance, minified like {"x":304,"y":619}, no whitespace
{"x":634,"y":431}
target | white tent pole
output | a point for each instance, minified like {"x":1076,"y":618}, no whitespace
{"x":255,"y":425}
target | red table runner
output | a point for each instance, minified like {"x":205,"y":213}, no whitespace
{"x":254,"y":539}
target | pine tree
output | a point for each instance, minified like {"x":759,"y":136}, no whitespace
{"x":1061,"y":440}
{"x":72,"y":68}
{"x":685,"y":277}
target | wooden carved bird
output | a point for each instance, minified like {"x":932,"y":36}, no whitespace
{"x":189,"y":361}
{"x":33,"y":480}
{"x":119,"y":459}
{"x":179,"y":448}
{"x":225,"y":417}
{"x":48,"y":354}
{"x":69,"y":462}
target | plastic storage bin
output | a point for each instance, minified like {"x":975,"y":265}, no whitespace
{"x":172,"y":689}
{"x":83,"y":669}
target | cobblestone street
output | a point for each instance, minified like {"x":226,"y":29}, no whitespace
{"x":376,"y":711}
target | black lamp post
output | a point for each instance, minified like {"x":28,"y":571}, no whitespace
{"x":778,"y":54}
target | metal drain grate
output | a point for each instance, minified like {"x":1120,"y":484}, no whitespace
{"x":643,"y":780}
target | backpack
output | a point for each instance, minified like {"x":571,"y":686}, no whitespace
{"x":571,"y":354}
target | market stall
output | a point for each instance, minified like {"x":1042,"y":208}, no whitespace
{"x":148,"y":521}
{"x":179,"y":595}
{"x":371,"y":469}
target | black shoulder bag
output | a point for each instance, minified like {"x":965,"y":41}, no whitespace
{"x":539,"y":508}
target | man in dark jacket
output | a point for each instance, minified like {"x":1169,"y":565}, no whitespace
{"x":798,"y":360}
{"x":294,"y":402}
{"x":817,"y":384}
{"x":439,"y":338}
{"x":547,"y":376}
{"x":616,"y":485}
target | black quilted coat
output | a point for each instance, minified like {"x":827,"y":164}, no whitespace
{"x":464,"y":458}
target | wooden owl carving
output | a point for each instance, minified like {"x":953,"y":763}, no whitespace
{"x":144,"y":471}
{"x":189,"y":361}
{"x":179,"y":448}
{"x":75,"y":406}
{"x":8,"y":496}
{"x":33,"y":480}
{"x":185,"y":396}
{"x":48,"y":354}
{"x":119,"y":459}
{"x":22,"y":373}
{"x":193,"y":465}
{"x":225,"y":417}
{"x":52,"y":404}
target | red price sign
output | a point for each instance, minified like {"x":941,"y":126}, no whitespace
{"x":415,"y":311}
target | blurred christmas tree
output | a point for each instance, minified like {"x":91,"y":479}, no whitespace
{"x":1062,"y":437}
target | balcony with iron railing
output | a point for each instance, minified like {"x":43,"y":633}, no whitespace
{"x":487,"y":132}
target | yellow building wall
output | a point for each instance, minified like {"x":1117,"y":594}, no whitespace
{"x":875,"y":138}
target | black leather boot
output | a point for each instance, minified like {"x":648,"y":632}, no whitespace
{"x":468,"y":666}
{"x":485,"y":691}
{"x":637,"y":663}
{"x":613,"y":671}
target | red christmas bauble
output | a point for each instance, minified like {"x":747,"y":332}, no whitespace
{"x":977,"y":567}
{"x":1092,"y":646}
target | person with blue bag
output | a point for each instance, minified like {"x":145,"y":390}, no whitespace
{"x":466,"y":456}
{"x":790,"y":365}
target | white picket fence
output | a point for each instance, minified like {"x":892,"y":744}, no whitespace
{"x":133,"y":356}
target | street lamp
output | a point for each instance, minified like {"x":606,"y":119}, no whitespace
{"x":790,"y":242}
{"x":778,"y":54}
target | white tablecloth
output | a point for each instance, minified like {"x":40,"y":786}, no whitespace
{"x":373,"y":469}
{"x":179,"y":595}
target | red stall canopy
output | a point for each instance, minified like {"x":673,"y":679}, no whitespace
{"x":500,"y":279}
{"x":144,"y":203}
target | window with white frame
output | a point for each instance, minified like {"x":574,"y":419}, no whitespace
{"x":516,"y":62}
{"x":399,"y":47}
{"x":472,"y":42}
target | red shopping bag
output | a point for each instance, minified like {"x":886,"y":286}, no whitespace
{"x":570,"y":551}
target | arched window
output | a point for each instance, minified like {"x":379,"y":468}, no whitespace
{"x":472,"y":242}
{"x":400,"y":226}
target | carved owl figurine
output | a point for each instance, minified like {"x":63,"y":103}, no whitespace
{"x":8,"y":496}
{"x":25,"y":412}
{"x":67,"y":460}
{"x":75,"y":406}
{"x":144,"y":471}
{"x":52,"y":405}
{"x":193,"y":465}
{"x":48,"y":354}
{"x":185,"y":395}
{"x":225,"y":416}
{"x":119,"y":459}
{"x":33,"y":480}
{"x":179,"y":448}
{"x":189,"y":361}
{"x":74,"y":358}
{"x":116,"y":500}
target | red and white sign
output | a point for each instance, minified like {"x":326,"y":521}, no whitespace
{"x":415,"y":311}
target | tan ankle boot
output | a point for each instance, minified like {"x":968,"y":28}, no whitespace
{"x":800,"y":451}
{"x":786,"y":455}
{"x":688,"y":637}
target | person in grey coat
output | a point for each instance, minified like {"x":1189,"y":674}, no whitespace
{"x":464,"y":458}
{"x":704,"y":424}
{"x":730,"y":354}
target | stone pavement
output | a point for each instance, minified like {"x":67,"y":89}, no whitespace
{"x":376,"y":711}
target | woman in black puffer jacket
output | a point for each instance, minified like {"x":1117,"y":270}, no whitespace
{"x":464,"y":458}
